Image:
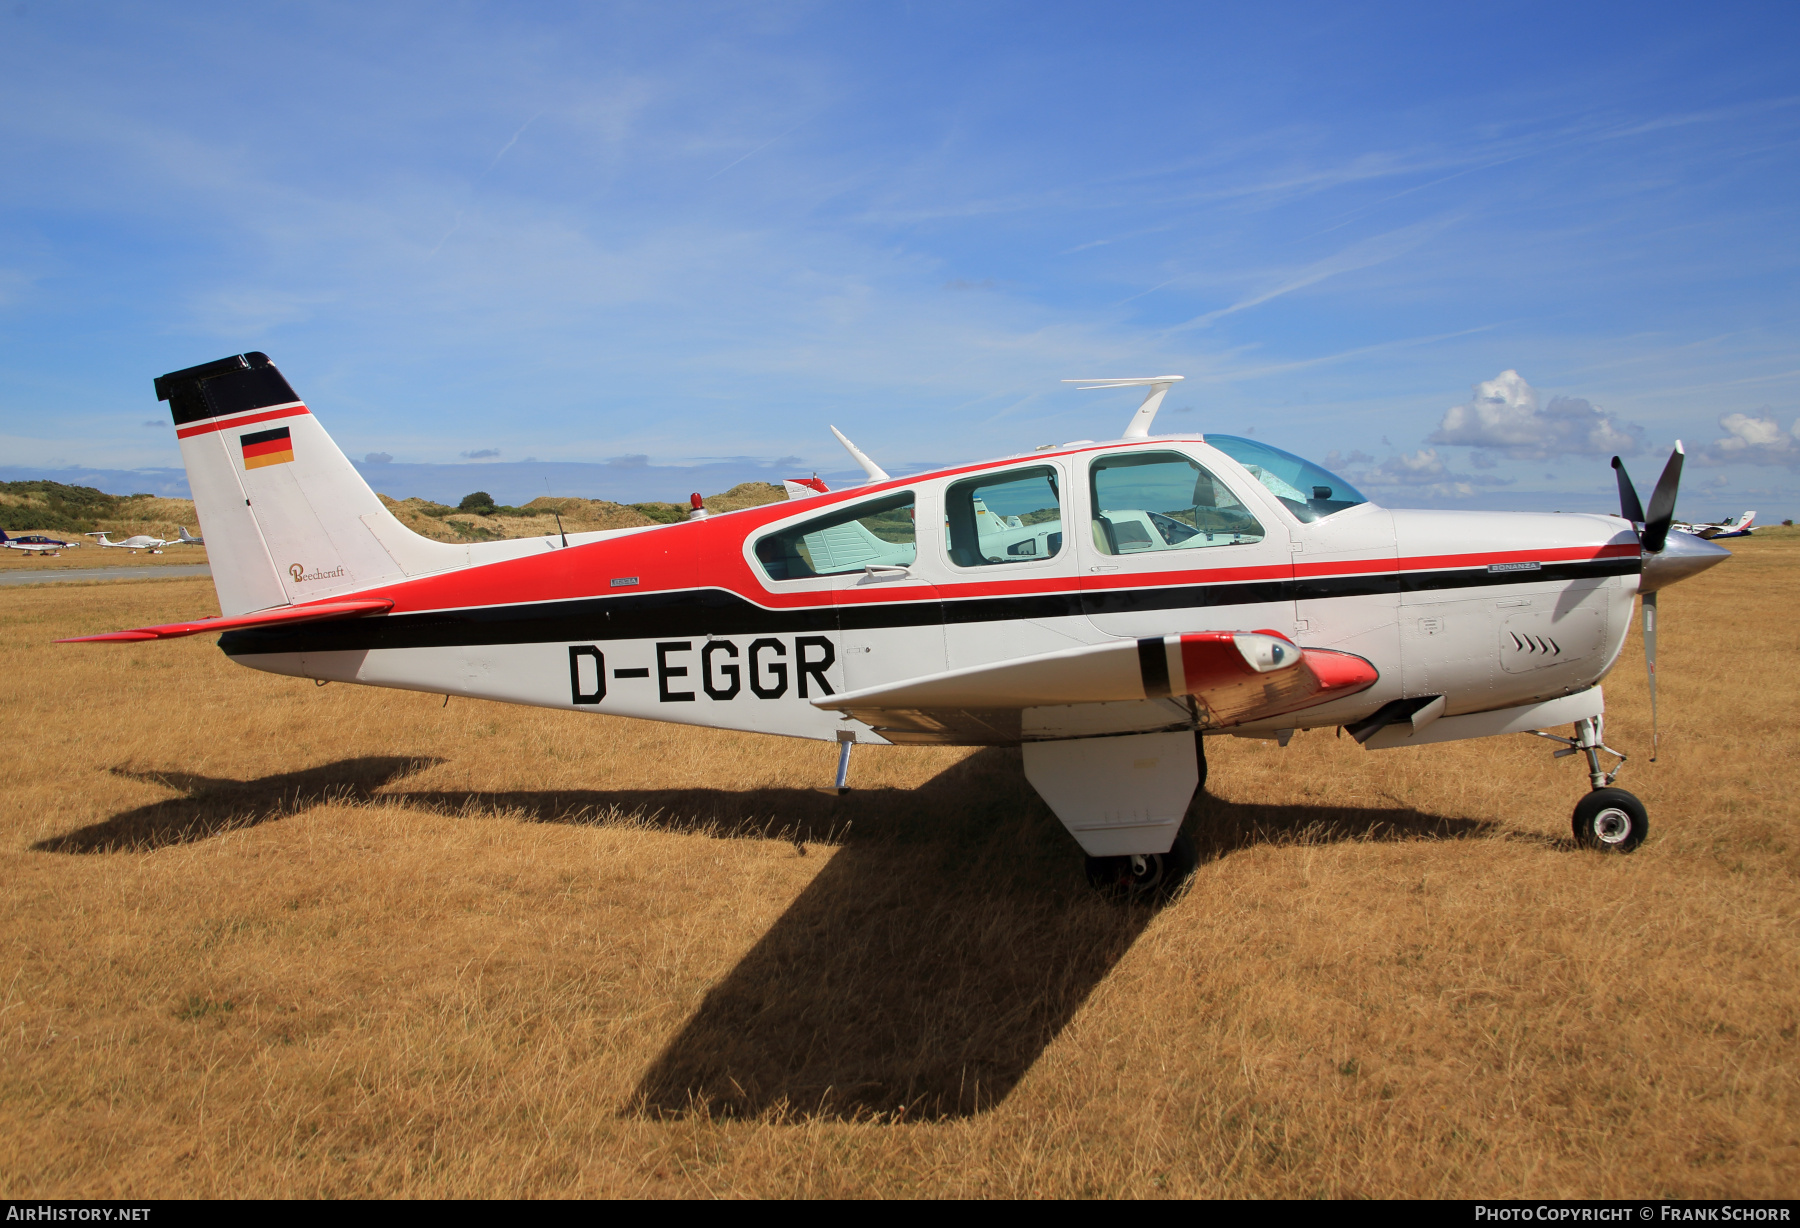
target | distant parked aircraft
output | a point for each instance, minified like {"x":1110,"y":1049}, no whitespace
{"x":185,"y":540}
{"x":35,"y":543}
{"x":143,"y":541}
{"x":1737,"y":527}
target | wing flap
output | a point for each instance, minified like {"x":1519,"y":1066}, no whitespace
{"x":262,"y":618}
{"x":1235,"y":676}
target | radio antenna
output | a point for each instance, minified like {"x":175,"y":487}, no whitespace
{"x":556,"y":513}
{"x":1159,"y":385}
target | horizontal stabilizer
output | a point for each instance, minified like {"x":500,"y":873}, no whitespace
{"x":263,"y":618}
{"x":1236,"y":676}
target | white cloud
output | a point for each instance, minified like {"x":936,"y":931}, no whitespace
{"x":1422,"y":472}
{"x":1504,"y":414}
{"x":1755,"y":441}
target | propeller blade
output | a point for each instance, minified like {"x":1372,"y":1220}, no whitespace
{"x":1629,"y":507}
{"x":1650,"y":661}
{"x":1662,"y":503}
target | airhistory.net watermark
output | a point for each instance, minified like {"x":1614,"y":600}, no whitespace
{"x":53,"y":1213}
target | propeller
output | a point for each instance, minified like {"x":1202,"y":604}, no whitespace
{"x":1653,"y":536}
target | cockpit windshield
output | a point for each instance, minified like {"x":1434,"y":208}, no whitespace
{"x":1305,"y":489}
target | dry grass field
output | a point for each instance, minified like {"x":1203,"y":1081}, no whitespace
{"x":264,"y":938}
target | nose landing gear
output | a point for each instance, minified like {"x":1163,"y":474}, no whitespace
{"x":1607,"y":820}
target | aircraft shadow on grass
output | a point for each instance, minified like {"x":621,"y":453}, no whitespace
{"x":923,"y":971}
{"x":946,"y":943}
{"x":210,"y":805}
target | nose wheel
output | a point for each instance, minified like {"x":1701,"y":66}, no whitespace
{"x":1607,"y":820}
{"x":1610,"y":821}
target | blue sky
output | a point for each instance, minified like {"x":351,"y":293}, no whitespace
{"x":693,"y":235}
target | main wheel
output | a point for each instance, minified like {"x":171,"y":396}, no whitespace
{"x":1146,"y":878}
{"x":1610,"y":821}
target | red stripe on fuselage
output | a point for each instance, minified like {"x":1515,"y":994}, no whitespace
{"x":709,"y":554}
{"x":267,"y":415}
{"x":1446,"y":562}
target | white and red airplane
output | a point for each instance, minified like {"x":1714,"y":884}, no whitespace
{"x":1103,"y":605}
{"x":1711,"y":530}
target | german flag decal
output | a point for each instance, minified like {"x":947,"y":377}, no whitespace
{"x":267,"y":448}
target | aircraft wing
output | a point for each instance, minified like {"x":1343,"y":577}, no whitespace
{"x":1232,"y":676}
{"x":316,"y":612}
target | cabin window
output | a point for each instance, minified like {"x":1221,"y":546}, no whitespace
{"x":843,"y":540}
{"x":1147,"y":501}
{"x":1012,"y":517}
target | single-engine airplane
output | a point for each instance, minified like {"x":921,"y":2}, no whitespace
{"x":1737,"y":526}
{"x":36,"y":543}
{"x":1104,"y":605}
{"x":142,"y":541}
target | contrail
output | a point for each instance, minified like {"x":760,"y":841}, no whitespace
{"x":755,"y":151}
{"x":511,"y":143}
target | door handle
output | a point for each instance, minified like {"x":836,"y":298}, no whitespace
{"x":1101,"y":569}
{"x":885,"y":571}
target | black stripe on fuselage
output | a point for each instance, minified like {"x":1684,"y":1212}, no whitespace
{"x":711,"y":611}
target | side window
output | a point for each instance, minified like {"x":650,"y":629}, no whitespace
{"x":845,"y":539}
{"x":1012,"y":517}
{"x":1164,"y":501}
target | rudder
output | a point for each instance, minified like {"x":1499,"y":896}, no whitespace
{"x":285,"y":516}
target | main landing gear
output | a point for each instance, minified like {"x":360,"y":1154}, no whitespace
{"x":1144,"y":877}
{"x":1150,"y":878}
{"x":1607,"y":820}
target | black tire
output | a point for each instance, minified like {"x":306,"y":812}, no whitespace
{"x":1118,"y":878}
{"x":1610,"y":821}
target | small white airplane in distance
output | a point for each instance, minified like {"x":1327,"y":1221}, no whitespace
{"x":1738,"y":526}
{"x":186,"y":539}
{"x":143,"y":541}
{"x":36,"y":543}
{"x":1104,"y":606}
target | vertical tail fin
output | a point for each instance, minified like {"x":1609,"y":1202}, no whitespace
{"x":285,"y":516}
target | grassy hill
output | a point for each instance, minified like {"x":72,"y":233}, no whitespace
{"x":54,"y":507}
{"x":445,"y":523}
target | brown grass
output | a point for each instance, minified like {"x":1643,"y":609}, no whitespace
{"x":262,"y":938}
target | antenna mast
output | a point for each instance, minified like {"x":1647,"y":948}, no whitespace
{"x":876,"y":472}
{"x":1159,"y":385}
